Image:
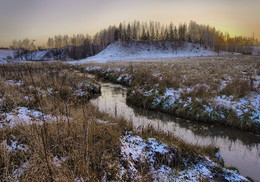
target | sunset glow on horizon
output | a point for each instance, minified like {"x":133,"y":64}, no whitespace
{"x":39,"y":19}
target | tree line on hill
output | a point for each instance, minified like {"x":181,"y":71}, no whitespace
{"x":81,"y":46}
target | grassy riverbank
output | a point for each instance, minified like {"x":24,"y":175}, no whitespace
{"x":50,"y":132}
{"x":223,"y":90}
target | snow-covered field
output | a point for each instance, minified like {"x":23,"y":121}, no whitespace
{"x":4,"y":53}
{"x":140,"y":50}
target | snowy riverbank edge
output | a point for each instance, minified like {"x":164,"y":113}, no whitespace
{"x":241,"y":113}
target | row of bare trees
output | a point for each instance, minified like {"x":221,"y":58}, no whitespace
{"x":193,"y":32}
{"x":24,"y":46}
{"x":80,"y":46}
{"x":60,"y":46}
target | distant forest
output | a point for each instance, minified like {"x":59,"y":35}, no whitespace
{"x":81,"y":46}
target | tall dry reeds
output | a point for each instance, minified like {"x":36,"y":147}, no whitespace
{"x":83,"y":147}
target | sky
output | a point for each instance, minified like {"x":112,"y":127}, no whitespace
{"x":40,"y":19}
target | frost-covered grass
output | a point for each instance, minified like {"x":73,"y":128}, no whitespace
{"x":222,"y":89}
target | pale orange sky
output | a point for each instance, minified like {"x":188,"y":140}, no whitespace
{"x":39,"y":19}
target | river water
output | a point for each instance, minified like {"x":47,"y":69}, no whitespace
{"x":239,"y":149}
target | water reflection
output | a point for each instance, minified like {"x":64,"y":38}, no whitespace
{"x":239,"y":149}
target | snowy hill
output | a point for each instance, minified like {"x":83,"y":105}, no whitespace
{"x":46,"y":55}
{"x":138,"y":50}
{"x":36,"y":55}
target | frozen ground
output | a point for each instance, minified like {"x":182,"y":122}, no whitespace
{"x":119,"y":51}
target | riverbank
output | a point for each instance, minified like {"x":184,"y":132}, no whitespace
{"x":237,"y":148}
{"x":221,"y":90}
{"x":49,"y":131}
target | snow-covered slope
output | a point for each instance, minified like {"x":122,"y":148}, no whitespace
{"x":4,"y":53}
{"x":35,"y":55}
{"x":45,"y":55}
{"x":136,"y":50}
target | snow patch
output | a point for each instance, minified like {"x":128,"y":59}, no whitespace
{"x":93,"y":68}
{"x":246,"y":105}
{"x":58,"y":161}
{"x":102,"y":121}
{"x":169,"y":98}
{"x":233,"y":176}
{"x":18,"y":172}
{"x":14,"y":146}
{"x":14,"y":83}
{"x":135,"y":150}
{"x":23,"y":116}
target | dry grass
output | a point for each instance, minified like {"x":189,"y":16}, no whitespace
{"x":202,"y":79}
{"x":91,"y":149}
{"x":187,"y":72}
{"x":43,"y":84}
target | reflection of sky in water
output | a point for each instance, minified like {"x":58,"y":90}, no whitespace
{"x":239,"y":149}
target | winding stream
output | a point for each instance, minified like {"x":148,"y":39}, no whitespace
{"x":239,"y":149}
